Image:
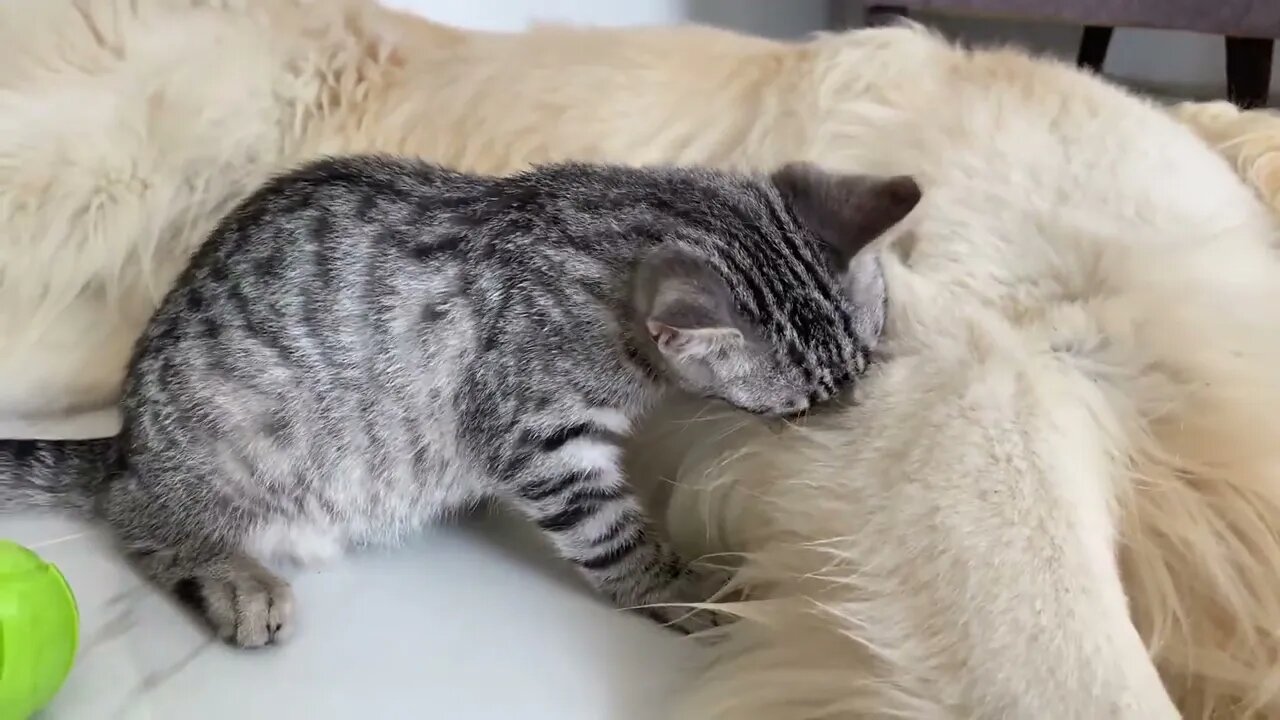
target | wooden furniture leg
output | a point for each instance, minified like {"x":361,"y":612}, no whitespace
{"x":1093,"y":47}
{"x":880,"y":15}
{"x":1249,"y":70}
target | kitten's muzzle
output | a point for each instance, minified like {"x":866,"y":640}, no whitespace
{"x":800,"y":410}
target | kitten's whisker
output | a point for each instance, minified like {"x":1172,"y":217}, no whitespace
{"x":56,"y":541}
{"x":706,"y":418}
{"x":703,"y":414}
{"x":730,"y":431}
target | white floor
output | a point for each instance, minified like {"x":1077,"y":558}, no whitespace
{"x":473,"y":622}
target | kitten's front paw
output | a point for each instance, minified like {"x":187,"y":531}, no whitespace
{"x":686,"y":620}
{"x":701,"y":582}
{"x":698,"y":583}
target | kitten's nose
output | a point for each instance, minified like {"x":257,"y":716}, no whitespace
{"x":796,"y":411}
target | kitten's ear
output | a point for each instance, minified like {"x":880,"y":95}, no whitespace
{"x":846,"y":211}
{"x":685,"y":304}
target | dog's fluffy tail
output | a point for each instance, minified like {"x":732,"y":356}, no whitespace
{"x":58,"y":474}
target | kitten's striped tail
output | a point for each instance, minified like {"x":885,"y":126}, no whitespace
{"x":60,"y":474}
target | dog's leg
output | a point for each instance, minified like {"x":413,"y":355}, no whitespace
{"x":1248,"y":139}
{"x":973,"y":574}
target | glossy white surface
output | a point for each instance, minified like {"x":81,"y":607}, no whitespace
{"x":467,"y":622}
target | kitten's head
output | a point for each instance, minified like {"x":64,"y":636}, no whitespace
{"x":772,"y":307}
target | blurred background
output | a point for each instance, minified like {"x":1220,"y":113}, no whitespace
{"x":1145,"y":54}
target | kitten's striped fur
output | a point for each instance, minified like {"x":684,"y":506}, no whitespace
{"x":368,"y":344}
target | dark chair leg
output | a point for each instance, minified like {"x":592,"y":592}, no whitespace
{"x":1093,"y":47}
{"x":881,"y":15}
{"x":1249,"y":70}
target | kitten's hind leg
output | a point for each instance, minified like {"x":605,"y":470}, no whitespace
{"x":579,"y":497}
{"x":245,"y":604}
{"x":191,"y":545}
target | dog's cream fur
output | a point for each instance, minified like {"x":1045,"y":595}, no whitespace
{"x":1250,"y":139}
{"x":1067,"y":466}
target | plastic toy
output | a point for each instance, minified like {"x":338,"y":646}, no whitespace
{"x":39,"y":630}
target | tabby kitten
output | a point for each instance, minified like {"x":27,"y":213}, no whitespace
{"x":367,"y":344}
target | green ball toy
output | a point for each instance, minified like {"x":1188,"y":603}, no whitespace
{"x":39,"y":629}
